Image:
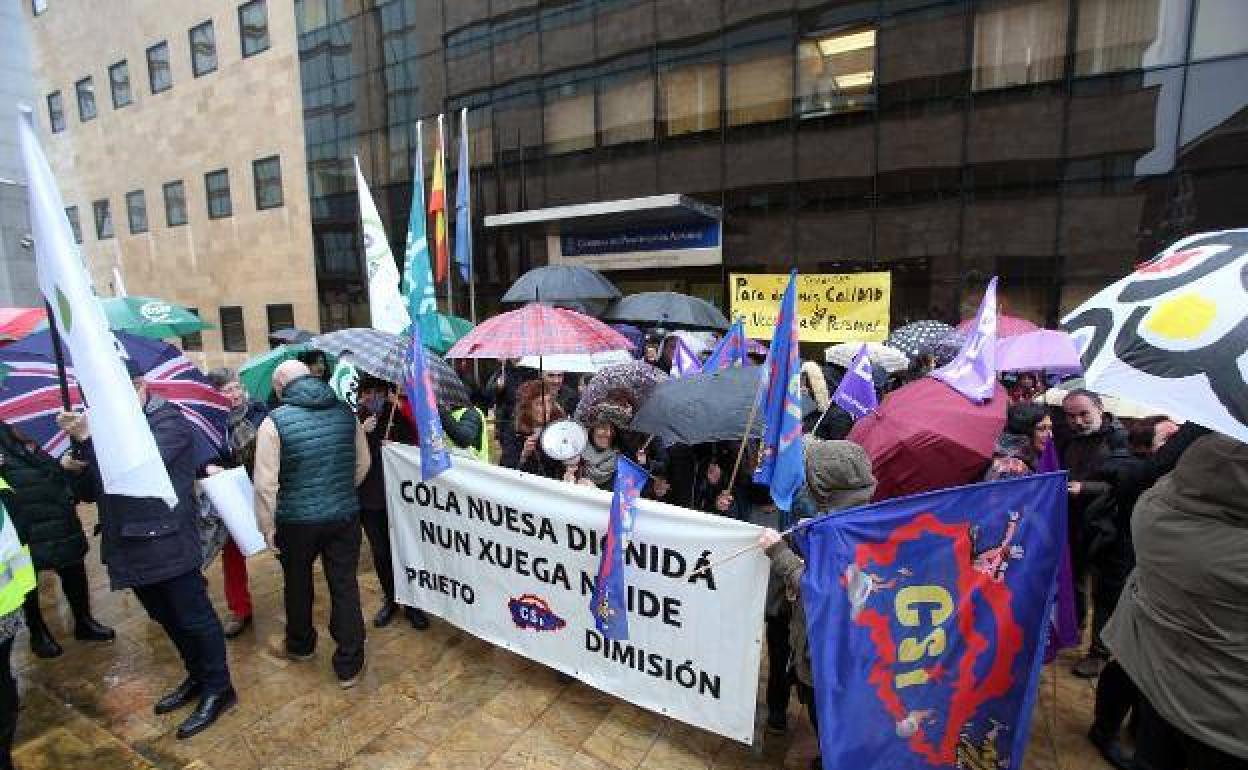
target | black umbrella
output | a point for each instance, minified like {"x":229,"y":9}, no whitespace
{"x":290,"y":336}
{"x":701,"y":407}
{"x":668,"y":310}
{"x":555,"y":283}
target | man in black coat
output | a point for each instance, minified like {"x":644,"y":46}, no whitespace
{"x":156,"y":551}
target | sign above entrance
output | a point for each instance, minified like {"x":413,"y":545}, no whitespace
{"x":831,"y":307}
{"x":683,"y":244}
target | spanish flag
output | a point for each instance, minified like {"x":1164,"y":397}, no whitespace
{"x":437,"y":209}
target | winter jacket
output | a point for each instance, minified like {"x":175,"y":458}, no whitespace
{"x":142,"y":541}
{"x":372,"y":490}
{"x":1181,"y":626}
{"x":464,"y":427}
{"x":41,"y":503}
{"x":538,"y":463}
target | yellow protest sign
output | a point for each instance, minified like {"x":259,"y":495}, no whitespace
{"x":831,"y":307}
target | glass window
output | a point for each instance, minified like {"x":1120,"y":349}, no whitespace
{"x":56,"y":112}
{"x":119,"y":82}
{"x":836,"y":72}
{"x":689,"y":97}
{"x":86,"y":99}
{"x":1018,"y":42}
{"x":760,"y":84}
{"x":159,"y":76}
{"x":103,"y":219}
{"x":1220,"y":26}
{"x":568,"y":116}
{"x":175,"y":203}
{"x":217,"y":192}
{"x":280,"y":317}
{"x":136,"y":211}
{"x":310,"y":15}
{"x":1114,"y":35}
{"x":71,"y":213}
{"x":193,"y":342}
{"x":38,"y":6}
{"x":253,"y":27}
{"x":626,"y":107}
{"x":203,"y":49}
{"x":233,"y":332}
{"x":267,"y":175}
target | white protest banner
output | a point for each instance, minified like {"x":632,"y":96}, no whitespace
{"x":511,"y":558}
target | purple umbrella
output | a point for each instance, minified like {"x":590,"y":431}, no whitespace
{"x":1043,"y":349}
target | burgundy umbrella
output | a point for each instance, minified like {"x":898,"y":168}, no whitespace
{"x":928,"y":436}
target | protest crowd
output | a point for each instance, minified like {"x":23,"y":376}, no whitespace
{"x":1148,"y":577}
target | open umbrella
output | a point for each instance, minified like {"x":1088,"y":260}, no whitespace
{"x":17,"y":322}
{"x":290,"y":336}
{"x":667,"y":309}
{"x":701,"y":407}
{"x":1007,"y":326}
{"x":927,"y":436}
{"x":554,"y":283}
{"x":889,"y":359}
{"x":450,"y":329}
{"x":256,"y":374}
{"x":911,"y":338}
{"x":30,"y":396}
{"x":538,"y":330}
{"x":579,"y":363}
{"x":1042,"y":350}
{"x":150,"y":317}
{"x":384,"y":355}
{"x":637,"y":377}
{"x":1174,"y":333}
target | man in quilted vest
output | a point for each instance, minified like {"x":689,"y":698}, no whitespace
{"x":310,"y":456}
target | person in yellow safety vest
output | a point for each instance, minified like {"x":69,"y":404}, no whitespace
{"x":465,"y":429}
{"x":17,"y":578}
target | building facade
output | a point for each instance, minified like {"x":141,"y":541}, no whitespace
{"x":175,"y":133}
{"x":1054,"y":143}
{"x":18,"y":287}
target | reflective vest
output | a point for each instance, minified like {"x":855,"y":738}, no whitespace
{"x":482,"y":450}
{"x":17,"y":571}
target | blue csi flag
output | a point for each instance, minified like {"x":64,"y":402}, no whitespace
{"x":781,"y":465}
{"x":729,"y":352}
{"x":927,"y":618}
{"x":609,"y":604}
{"x":463,"y":211}
{"x":856,"y":393}
{"x":419,"y":388}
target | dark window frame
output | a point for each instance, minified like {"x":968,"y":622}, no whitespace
{"x":190,"y":37}
{"x":181,"y":188}
{"x":242,"y":35}
{"x":75,"y":224}
{"x":56,"y":117}
{"x":141,"y":197}
{"x":104,"y":229}
{"x":112,"y":85}
{"x":228,"y":343}
{"x":78,"y":94}
{"x":214,"y":196}
{"x":256,"y":165}
{"x":151,"y":80}
{"x":281,"y":322}
{"x":193,"y":342}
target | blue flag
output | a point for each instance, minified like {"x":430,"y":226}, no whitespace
{"x":419,"y":388}
{"x":927,"y":618}
{"x":781,"y":466}
{"x":463,"y":211}
{"x":856,"y":393}
{"x":608,"y":605}
{"x":729,"y":352}
{"x":417,"y":285}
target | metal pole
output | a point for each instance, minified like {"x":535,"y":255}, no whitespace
{"x":450,"y":302}
{"x":58,"y":353}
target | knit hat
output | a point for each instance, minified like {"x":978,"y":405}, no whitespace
{"x":838,"y":474}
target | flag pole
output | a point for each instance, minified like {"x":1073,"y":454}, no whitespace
{"x":59,"y":354}
{"x":450,"y":302}
{"x":749,"y":424}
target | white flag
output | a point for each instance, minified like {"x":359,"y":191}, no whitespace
{"x":385,"y":304}
{"x":129,"y":462}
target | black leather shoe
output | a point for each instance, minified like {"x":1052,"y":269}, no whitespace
{"x":1111,"y":750}
{"x":87,"y":629}
{"x":42,"y":644}
{"x":181,"y":695}
{"x":384,"y":615}
{"x":209,"y":709}
{"x":417,"y":618}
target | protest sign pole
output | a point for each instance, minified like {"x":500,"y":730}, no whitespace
{"x":749,"y":425}
{"x":59,"y":354}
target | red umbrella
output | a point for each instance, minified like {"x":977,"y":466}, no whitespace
{"x":538,"y":330}
{"x":17,"y":322}
{"x":928,"y":436}
{"x":1007,"y":326}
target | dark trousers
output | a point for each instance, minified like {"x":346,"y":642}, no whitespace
{"x":1162,"y":746}
{"x":77,"y":593}
{"x":8,"y":704}
{"x":1116,"y":695}
{"x":337,"y":543}
{"x":778,"y":679}
{"x":377,"y":528}
{"x":181,"y":606}
{"x":1109,"y":577}
{"x":806,"y":694}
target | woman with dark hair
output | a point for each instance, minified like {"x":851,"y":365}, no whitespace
{"x":1033,"y":421}
{"x":536,"y":407}
{"x":597,"y":464}
{"x":41,"y":502}
{"x":1028,"y":430}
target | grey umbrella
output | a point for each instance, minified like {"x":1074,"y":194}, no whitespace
{"x":384,"y":356}
{"x":701,"y":407}
{"x":668,"y":310}
{"x":555,"y":283}
{"x":290,"y":336}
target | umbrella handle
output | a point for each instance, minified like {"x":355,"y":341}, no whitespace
{"x":390,"y":422}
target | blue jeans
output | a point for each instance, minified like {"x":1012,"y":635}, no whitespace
{"x":181,"y":606}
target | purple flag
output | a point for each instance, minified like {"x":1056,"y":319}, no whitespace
{"x":419,"y":388}
{"x":683,"y":359}
{"x":608,"y":605}
{"x":973,"y":373}
{"x":856,"y":393}
{"x":1063,"y":624}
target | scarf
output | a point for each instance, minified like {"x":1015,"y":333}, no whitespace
{"x":598,"y":465}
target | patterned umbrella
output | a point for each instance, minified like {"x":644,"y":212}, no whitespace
{"x":889,"y":359}
{"x":1174,"y":333}
{"x":290,"y":336}
{"x":30,"y":397}
{"x":561,"y":282}
{"x":638,"y":378}
{"x":384,"y":356}
{"x":945,"y":349}
{"x":911,"y":338}
{"x":17,"y":322}
{"x":535,"y":330}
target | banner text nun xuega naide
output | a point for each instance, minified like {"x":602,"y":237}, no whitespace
{"x":511,"y":558}
{"x":831,"y":307}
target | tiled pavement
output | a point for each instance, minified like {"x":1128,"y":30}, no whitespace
{"x":436,"y":699}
